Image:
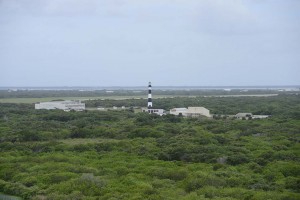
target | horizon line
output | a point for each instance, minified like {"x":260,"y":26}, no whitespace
{"x":78,"y":86}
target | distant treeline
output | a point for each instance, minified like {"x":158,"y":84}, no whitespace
{"x":104,"y":93}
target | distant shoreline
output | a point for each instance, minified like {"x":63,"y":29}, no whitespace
{"x":93,"y":88}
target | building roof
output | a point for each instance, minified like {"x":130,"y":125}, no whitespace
{"x":152,"y":109}
{"x":197,"y":108}
{"x":243,"y":114}
{"x":179,"y":109}
{"x":66,"y":101}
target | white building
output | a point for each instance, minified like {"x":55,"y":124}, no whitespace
{"x":178,"y":111}
{"x":191,"y":112}
{"x":160,"y":112}
{"x":62,"y":105}
{"x":197,"y":111}
{"x":260,"y":116}
{"x":250,"y":116}
{"x":243,"y":115}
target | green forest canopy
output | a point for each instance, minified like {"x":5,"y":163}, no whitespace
{"x":121,"y":155}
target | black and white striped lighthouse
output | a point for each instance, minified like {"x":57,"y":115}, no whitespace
{"x":149,"y":96}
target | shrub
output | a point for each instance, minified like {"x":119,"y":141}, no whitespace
{"x":237,"y":159}
{"x":172,"y":174}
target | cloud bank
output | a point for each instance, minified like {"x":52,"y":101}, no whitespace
{"x":128,"y":42}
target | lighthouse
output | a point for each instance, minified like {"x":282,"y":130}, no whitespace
{"x":150,"y":108}
{"x":149,"y":96}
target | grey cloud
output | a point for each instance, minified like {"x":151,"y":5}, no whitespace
{"x":175,"y":42}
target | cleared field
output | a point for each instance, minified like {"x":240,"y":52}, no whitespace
{"x":35,"y":100}
{"x":9,"y":197}
{"x":244,"y":95}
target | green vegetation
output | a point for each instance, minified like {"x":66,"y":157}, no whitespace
{"x":122,"y":155}
{"x":121,"y":93}
{"x":33,"y":96}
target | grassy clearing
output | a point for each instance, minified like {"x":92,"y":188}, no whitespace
{"x":35,"y":100}
{"x":45,"y":99}
{"x":8,"y":197}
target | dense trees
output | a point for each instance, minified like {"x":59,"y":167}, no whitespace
{"x":122,"y":155}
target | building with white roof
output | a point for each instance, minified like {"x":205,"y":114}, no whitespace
{"x":191,"y":112}
{"x":250,"y":116}
{"x":178,"y":111}
{"x":61,"y":105}
{"x":157,"y":111}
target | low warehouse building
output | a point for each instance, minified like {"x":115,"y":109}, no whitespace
{"x":178,"y":111}
{"x":197,"y":111}
{"x":160,"y":112}
{"x":243,"y":115}
{"x":250,"y":116}
{"x":61,"y":105}
{"x":191,"y":111}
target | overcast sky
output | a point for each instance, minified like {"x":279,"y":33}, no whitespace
{"x":131,"y":42}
